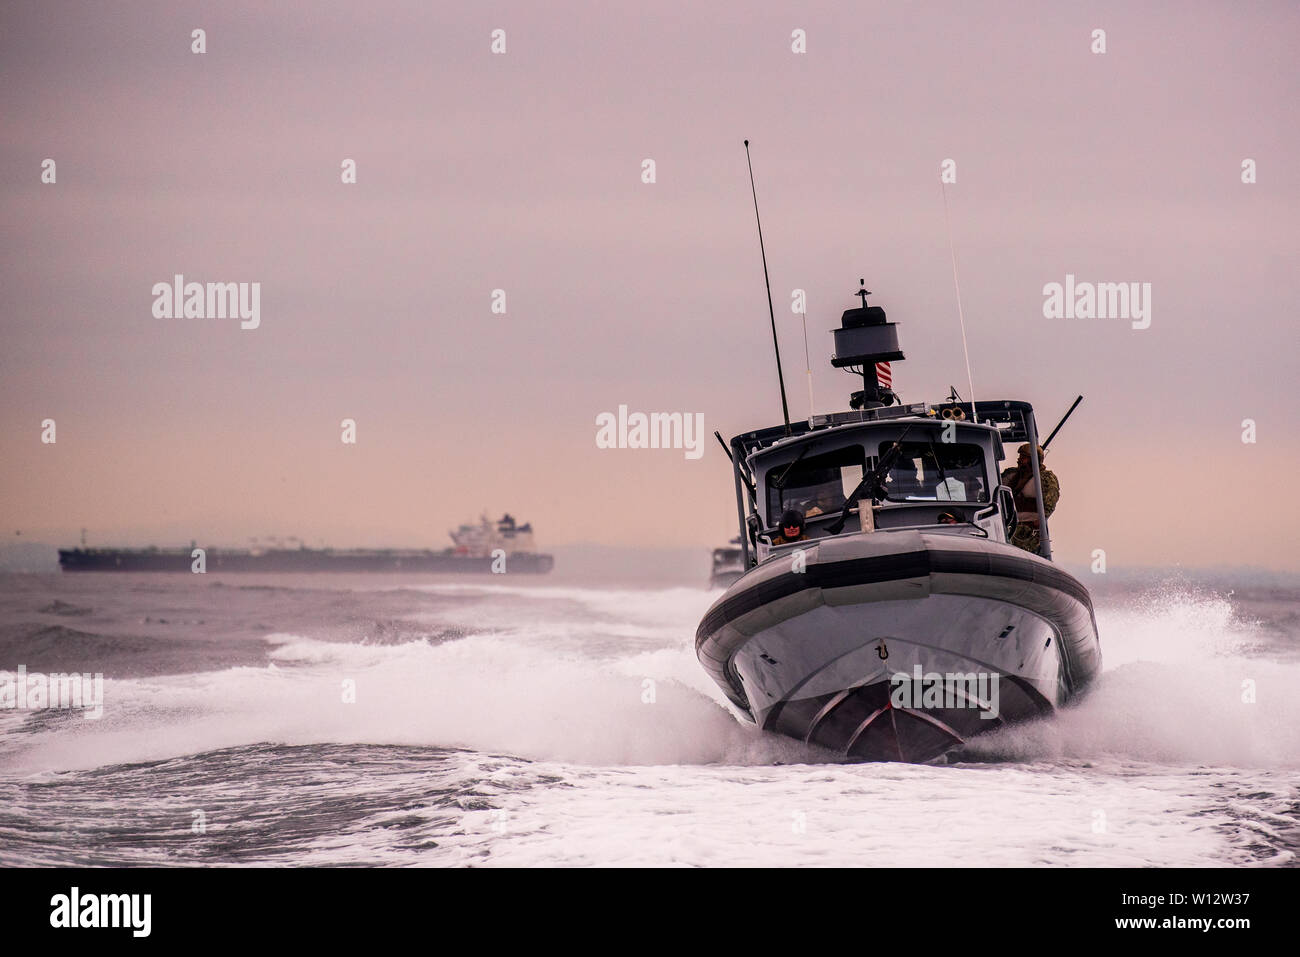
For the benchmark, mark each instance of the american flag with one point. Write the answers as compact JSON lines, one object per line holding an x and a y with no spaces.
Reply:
{"x":885,"y":377}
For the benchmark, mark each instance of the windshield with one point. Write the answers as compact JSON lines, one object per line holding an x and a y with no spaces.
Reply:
{"x":815,"y":484}
{"x":937,"y":472}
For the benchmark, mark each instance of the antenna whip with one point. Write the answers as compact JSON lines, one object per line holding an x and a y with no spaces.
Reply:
{"x":807,"y":362}
{"x":960,"y":317}
{"x":785,"y":408}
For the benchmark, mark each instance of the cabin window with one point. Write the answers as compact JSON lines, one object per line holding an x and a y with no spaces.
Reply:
{"x":937,"y":472}
{"x":815,"y":484}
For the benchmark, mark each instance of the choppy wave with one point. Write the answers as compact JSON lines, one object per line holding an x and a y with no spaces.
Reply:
{"x":514,"y":725}
{"x":1187,"y":680}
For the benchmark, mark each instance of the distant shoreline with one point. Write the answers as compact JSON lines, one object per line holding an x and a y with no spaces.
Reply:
{"x":689,"y":566}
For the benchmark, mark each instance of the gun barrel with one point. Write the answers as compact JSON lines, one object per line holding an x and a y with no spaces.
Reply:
{"x":1062,"y":422}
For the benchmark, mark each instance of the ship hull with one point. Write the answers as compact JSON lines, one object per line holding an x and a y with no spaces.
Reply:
{"x":303,"y":560}
{"x":900,"y":646}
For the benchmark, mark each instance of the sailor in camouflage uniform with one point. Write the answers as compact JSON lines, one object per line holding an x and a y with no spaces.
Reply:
{"x":1021,"y":482}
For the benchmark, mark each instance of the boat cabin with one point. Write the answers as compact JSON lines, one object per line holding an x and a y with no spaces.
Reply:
{"x":941,"y":469}
{"x":882,"y":466}
{"x":946,"y":467}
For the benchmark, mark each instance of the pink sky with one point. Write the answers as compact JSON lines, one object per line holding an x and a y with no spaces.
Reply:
{"x":522,"y":172}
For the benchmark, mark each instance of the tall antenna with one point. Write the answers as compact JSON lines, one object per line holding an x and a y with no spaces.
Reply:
{"x":807,"y":362}
{"x":785,"y":407}
{"x":974,"y":416}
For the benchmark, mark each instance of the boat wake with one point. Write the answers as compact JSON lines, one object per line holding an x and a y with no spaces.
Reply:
{"x":1186,"y":681}
{"x":605,"y":678}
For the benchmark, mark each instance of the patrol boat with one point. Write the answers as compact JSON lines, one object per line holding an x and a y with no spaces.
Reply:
{"x":894,"y":632}
{"x":727,"y":565}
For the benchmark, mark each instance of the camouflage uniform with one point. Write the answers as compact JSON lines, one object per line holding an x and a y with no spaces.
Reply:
{"x":1026,"y":536}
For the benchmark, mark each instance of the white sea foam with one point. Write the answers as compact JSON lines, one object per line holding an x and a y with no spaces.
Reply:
{"x":1171,"y":692}
{"x":1176,"y":689}
{"x":847,"y":815}
{"x":601,"y":690}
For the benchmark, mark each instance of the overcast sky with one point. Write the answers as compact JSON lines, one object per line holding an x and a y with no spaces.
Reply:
{"x":522,"y":172}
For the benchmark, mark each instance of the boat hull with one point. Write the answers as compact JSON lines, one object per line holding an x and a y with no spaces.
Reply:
{"x":900,"y":646}
{"x":297,"y":560}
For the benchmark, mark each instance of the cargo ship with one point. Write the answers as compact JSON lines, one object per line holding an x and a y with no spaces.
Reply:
{"x":502,"y":547}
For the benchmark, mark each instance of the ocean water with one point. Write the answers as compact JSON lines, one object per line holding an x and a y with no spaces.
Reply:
{"x":555,"y":722}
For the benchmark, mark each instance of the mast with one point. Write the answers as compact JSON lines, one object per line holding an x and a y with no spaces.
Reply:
{"x":780,"y":376}
{"x":863,"y":339}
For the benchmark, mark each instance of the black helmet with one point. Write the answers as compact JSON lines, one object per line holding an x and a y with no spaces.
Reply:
{"x":792,"y":518}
